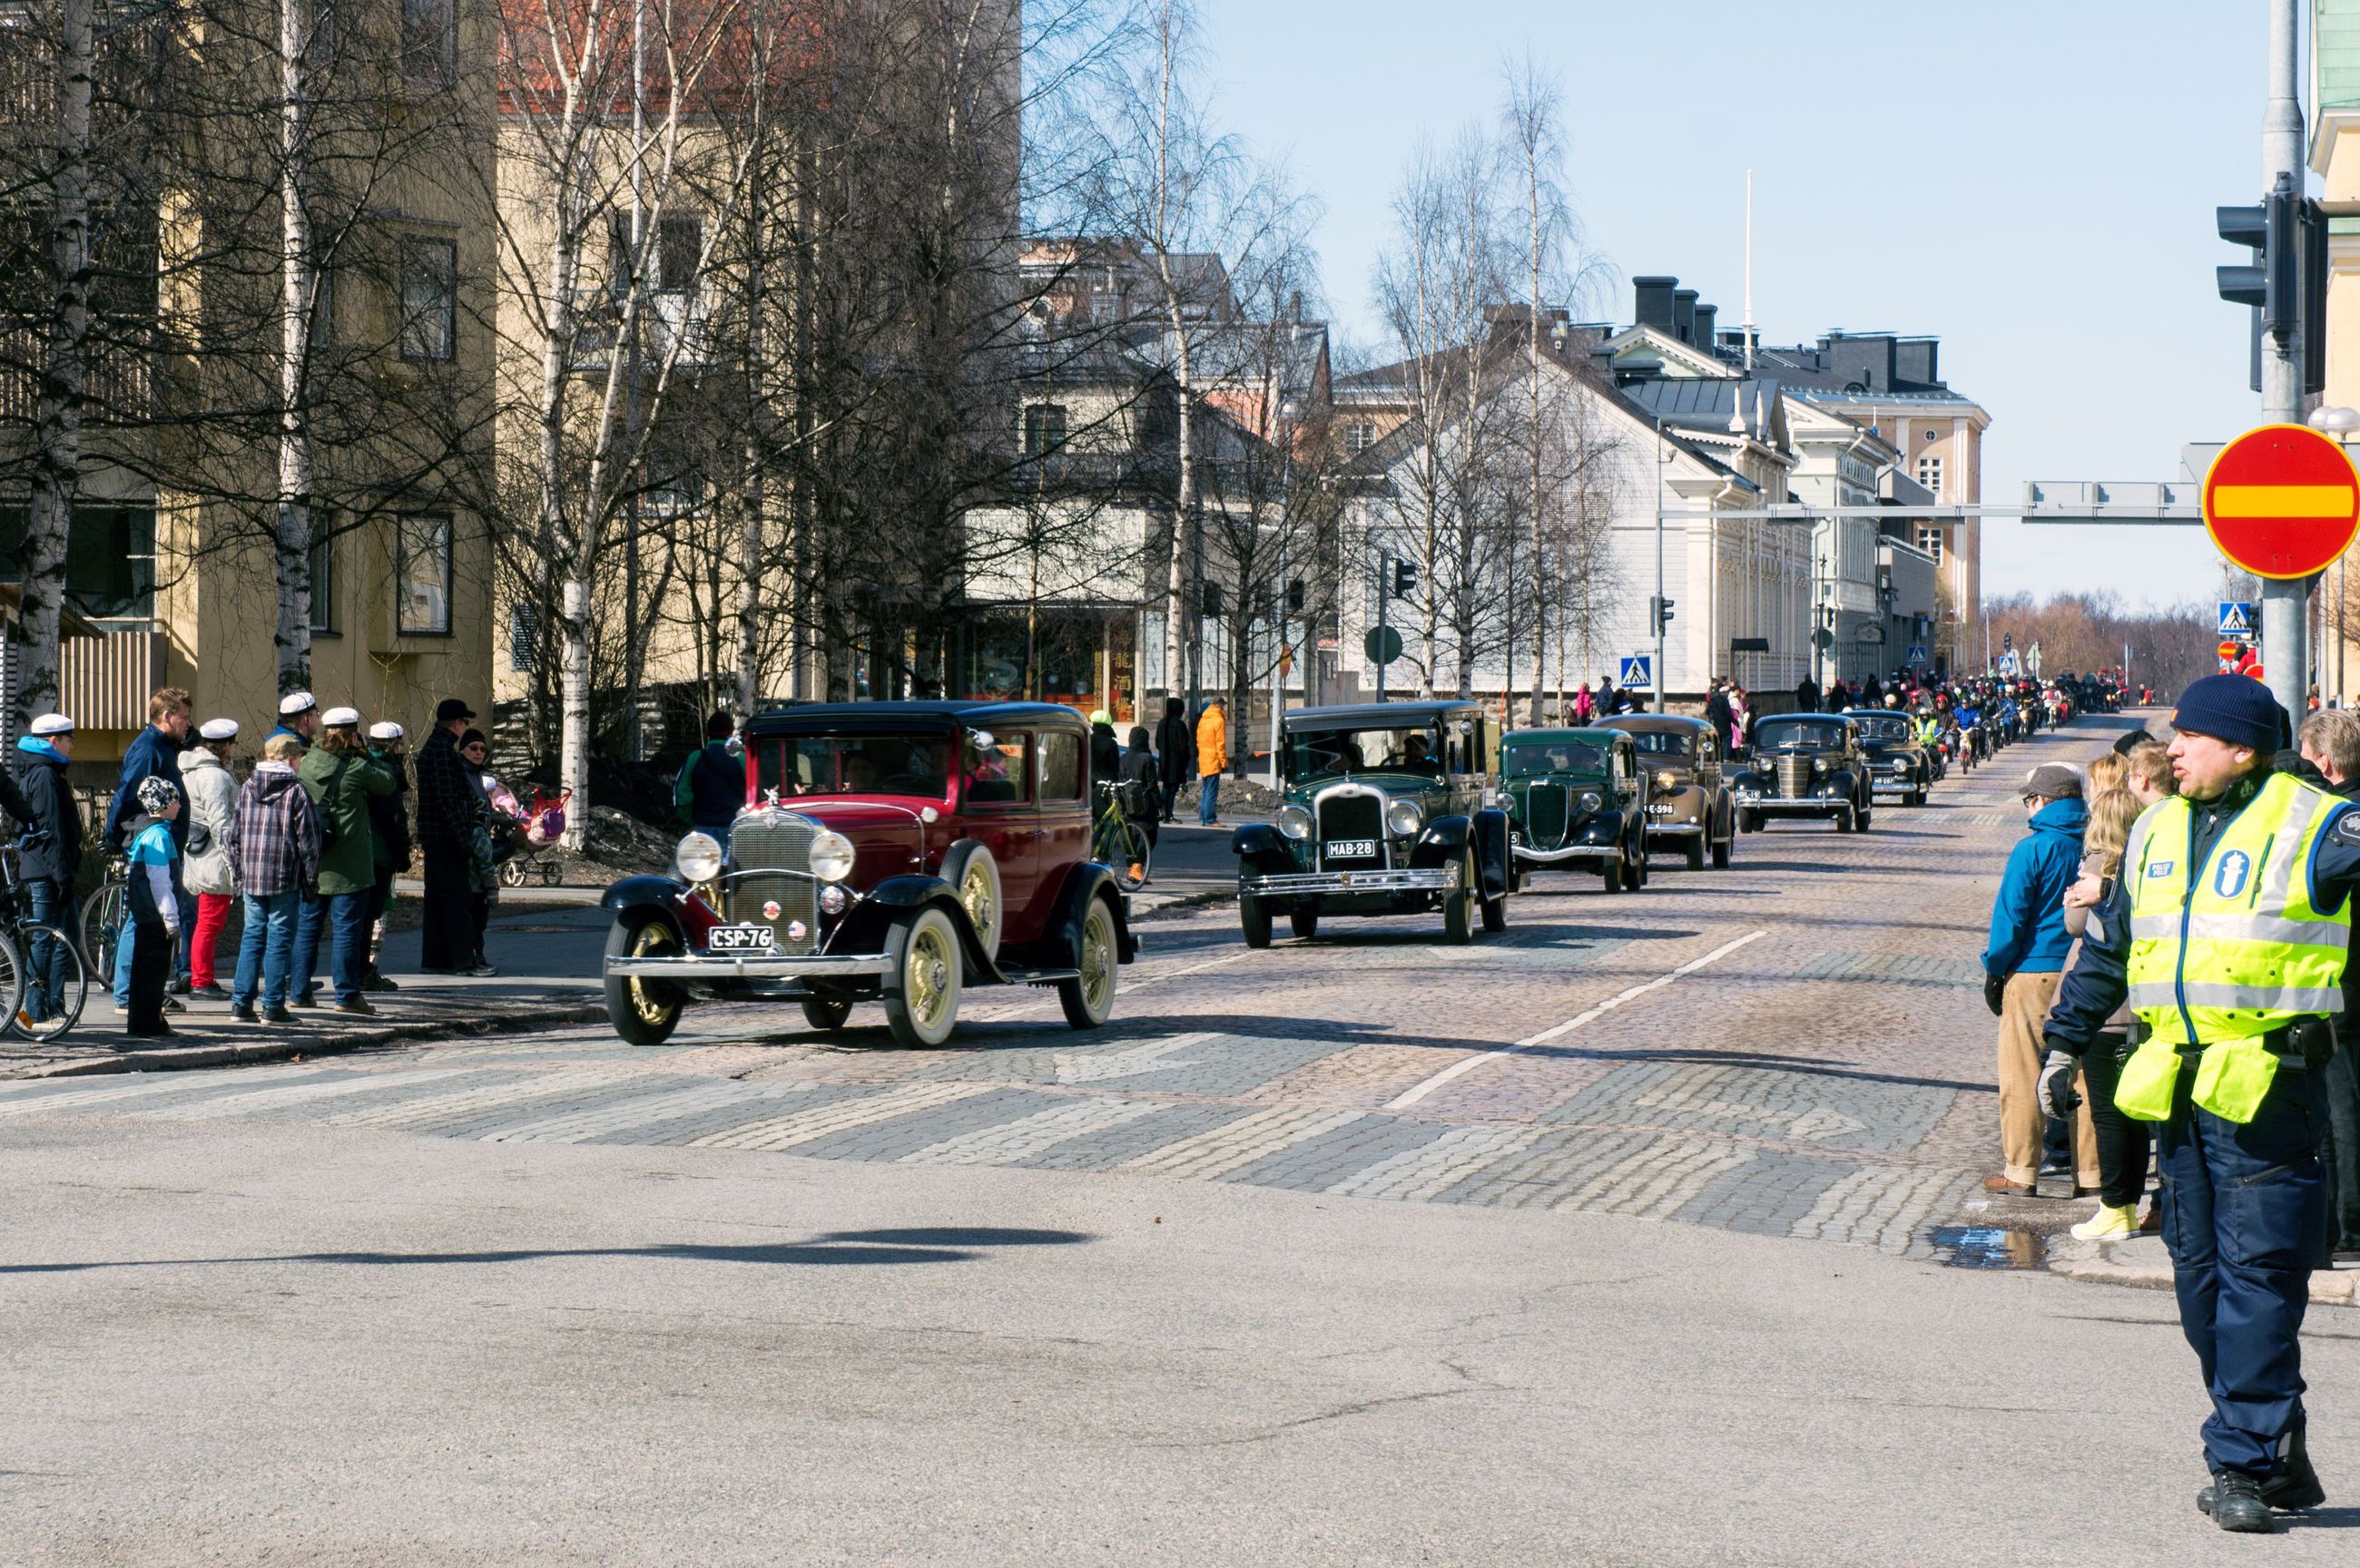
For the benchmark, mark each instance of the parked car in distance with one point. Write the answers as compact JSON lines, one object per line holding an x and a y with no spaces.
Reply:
{"x":1688,"y":805}
{"x":1898,"y":763}
{"x":1578,"y":800}
{"x":888,"y":851}
{"x":1389,"y":809}
{"x":1804,"y":764}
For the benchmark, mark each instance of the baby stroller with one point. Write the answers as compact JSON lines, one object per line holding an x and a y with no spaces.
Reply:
{"x":521,"y":830}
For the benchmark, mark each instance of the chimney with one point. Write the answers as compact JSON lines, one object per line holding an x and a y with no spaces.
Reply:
{"x":1704,"y":320}
{"x":1294,"y":304}
{"x":1651,"y":301}
{"x":1684,"y":314}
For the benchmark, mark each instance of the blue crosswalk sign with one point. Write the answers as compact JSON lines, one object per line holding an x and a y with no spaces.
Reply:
{"x":2236,"y":618}
{"x":1637,"y":675}
{"x":1917,"y":654}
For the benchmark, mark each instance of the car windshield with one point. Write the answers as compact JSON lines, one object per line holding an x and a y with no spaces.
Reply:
{"x":1798,"y":732}
{"x":1661,"y":742}
{"x":1315,"y":754}
{"x":1888,"y":726}
{"x":807,"y":765}
{"x":1564,"y":754}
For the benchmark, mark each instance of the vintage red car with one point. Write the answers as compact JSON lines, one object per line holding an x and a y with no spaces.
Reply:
{"x":889,"y":851}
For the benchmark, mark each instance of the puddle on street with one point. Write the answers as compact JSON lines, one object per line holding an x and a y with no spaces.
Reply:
{"x":1987,"y":1246}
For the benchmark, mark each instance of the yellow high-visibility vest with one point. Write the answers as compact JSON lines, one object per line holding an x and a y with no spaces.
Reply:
{"x":2220,"y":960}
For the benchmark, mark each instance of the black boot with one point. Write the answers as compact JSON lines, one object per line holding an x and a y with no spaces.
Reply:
{"x":2296,"y":1486}
{"x":2235,"y":1501}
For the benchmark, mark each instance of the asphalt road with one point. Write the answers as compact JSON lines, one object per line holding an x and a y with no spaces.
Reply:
{"x":1625,"y":1238}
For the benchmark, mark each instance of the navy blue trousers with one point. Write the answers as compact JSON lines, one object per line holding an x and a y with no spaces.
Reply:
{"x":2244,"y":1216}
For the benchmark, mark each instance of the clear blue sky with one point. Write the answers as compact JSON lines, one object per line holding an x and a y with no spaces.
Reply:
{"x":2032,"y":181}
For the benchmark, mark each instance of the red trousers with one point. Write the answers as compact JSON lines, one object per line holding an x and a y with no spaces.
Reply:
{"x":212,"y":914}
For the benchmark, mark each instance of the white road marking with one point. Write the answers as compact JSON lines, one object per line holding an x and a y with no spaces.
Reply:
{"x":1411,"y":1097}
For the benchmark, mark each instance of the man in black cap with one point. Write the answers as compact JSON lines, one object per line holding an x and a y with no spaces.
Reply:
{"x":2227,"y":933}
{"x":447,"y":810}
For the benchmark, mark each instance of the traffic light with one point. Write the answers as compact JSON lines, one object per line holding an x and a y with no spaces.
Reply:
{"x":1298,"y":595}
{"x":1404,"y":578}
{"x":1659,"y":614}
{"x":1212,"y":599}
{"x":2285,"y":284}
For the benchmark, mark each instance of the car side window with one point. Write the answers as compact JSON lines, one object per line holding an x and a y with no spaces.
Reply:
{"x":1061,"y":767}
{"x":999,"y":769}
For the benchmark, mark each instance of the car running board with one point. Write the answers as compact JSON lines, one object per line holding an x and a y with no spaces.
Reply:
{"x":1039,"y":976}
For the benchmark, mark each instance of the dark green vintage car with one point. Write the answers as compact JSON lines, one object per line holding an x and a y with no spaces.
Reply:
{"x":1578,"y":800}
{"x":1898,"y":763}
{"x":1388,"y":811}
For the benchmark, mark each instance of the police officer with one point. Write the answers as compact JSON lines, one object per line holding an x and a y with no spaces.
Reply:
{"x":2227,"y":934}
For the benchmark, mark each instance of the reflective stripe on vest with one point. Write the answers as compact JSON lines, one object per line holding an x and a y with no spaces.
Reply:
{"x":2230,"y":950}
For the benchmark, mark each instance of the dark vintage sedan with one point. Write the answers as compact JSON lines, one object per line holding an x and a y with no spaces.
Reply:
{"x":1805,"y":764}
{"x":1898,"y":763}
{"x":1578,"y":800}
{"x":1690,"y":809}
{"x":1388,"y":811}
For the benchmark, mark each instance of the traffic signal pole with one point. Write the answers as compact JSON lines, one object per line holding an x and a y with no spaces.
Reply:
{"x":2286,"y":658}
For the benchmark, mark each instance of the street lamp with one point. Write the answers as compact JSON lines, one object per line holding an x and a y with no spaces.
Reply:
{"x":1289,"y":411}
{"x":2336,"y":421}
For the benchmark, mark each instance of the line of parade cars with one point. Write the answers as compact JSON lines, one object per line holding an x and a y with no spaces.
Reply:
{"x":1416,"y":807}
{"x":899,"y":854}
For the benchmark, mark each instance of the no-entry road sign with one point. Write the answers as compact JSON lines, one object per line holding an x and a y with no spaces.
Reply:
{"x":2282,"y":501}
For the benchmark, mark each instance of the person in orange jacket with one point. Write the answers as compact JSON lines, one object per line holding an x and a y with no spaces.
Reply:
{"x":1212,"y":757}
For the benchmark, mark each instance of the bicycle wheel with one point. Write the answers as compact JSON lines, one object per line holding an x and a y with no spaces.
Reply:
{"x":12,"y":977}
{"x":1129,"y":863}
{"x":58,"y":994}
{"x":101,"y":926}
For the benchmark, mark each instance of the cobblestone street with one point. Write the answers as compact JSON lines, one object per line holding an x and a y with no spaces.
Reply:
{"x":1795,"y":1046}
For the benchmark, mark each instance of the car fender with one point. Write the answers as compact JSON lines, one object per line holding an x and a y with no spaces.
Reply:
{"x":1494,"y":862}
{"x":862,"y":930}
{"x":1439,"y":840}
{"x":1262,"y":850}
{"x":1060,"y":946}
{"x":666,"y":899}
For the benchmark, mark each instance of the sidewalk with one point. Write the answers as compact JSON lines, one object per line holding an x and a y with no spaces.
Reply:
{"x":2141,"y":1261}
{"x":550,"y":960}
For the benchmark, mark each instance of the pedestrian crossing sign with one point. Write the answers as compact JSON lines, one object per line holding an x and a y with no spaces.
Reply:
{"x":1637,"y":675}
{"x":1917,"y":655}
{"x":2236,"y":618}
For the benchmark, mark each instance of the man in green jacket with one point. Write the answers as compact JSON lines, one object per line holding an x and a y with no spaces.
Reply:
{"x":340,"y":777}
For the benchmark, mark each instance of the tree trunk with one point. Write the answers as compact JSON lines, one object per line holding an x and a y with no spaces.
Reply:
{"x":292,"y":533}
{"x":65,"y":371}
{"x":574,"y":764}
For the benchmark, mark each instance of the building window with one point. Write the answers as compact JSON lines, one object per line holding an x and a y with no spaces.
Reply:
{"x":430,"y":298}
{"x":524,"y":638}
{"x":1930,"y":541}
{"x":323,"y":577}
{"x":680,"y":248}
{"x":1044,"y":428}
{"x":430,"y":42}
{"x":1930,"y":473}
{"x":422,"y":577}
{"x":110,"y":559}
{"x":1359,"y":435}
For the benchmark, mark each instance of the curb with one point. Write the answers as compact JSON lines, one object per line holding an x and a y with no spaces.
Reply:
{"x":181,"y":1059}
{"x":2137,"y":1263}
{"x":1182,"y":903}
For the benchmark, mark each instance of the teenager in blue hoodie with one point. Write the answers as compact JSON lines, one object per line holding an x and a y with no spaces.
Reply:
{"x":2026,"y":953}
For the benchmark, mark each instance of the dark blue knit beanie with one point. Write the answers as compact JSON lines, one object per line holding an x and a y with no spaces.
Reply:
{"x":2234,"y":708}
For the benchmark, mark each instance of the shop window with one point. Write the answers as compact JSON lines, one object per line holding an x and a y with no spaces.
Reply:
{"x":422,"y":577}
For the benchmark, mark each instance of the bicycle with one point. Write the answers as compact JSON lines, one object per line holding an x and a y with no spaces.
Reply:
{"x":1118,"y":843}
{"x":29,"y":950}
{"x":103,"y":914}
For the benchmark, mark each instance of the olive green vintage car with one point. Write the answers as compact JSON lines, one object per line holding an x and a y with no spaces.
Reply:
{"x":1578,"y":800}
{"x":1388,"y":811}
{"x":1689,"y":809}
